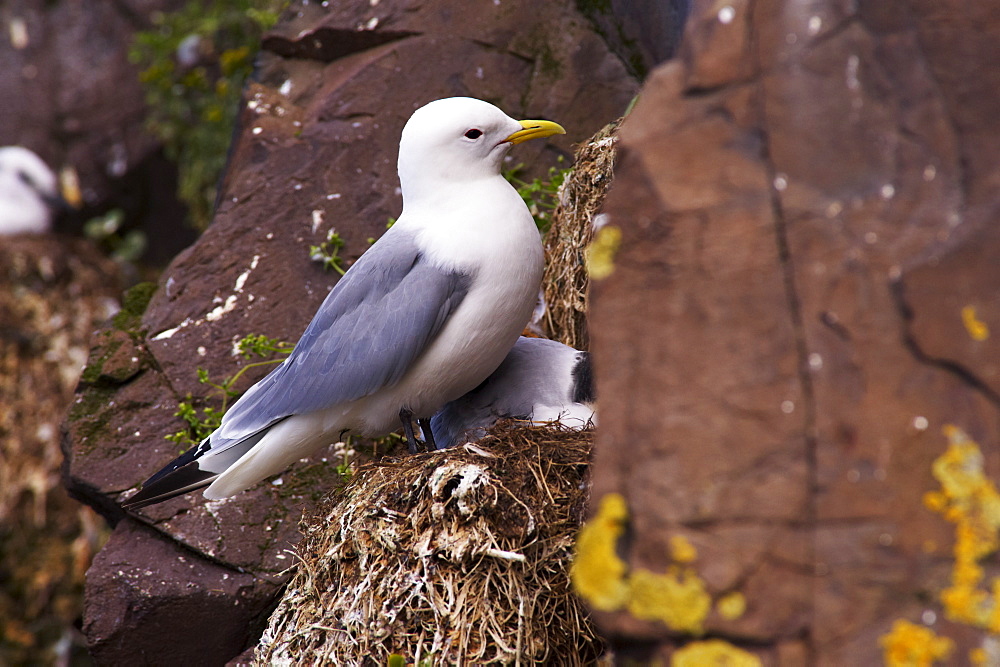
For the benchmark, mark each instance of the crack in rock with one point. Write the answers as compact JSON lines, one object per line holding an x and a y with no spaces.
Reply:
{"x":327,"y":44}
{"x":964,"y":374}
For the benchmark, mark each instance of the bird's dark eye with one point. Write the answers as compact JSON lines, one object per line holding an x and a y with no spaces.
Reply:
{"x":474,"y":134}
{"x":27,"y":180}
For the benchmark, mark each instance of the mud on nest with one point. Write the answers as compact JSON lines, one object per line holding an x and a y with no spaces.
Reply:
{"x":454,"y":557}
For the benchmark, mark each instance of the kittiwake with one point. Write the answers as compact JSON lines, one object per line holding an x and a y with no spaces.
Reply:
{"x":29,"y":192}
{"x":540,"y":380}
{"x":423,"y":317}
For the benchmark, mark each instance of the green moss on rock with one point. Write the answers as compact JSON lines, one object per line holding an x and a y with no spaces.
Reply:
{"x":134,"y":304}
{"x":106,"y":343}
{"x":88,"y":416}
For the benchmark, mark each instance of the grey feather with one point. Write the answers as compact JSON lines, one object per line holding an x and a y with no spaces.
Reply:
{"x":536,"y":373}
{"x":375,"y":322}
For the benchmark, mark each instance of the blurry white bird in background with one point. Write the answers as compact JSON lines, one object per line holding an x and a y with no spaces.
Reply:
{"x":540,"y":380}
{"x":423,"y":317}
{"x":29,"y":193}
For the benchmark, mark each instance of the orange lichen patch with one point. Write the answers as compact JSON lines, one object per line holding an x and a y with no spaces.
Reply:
{"x":969,"y":500}
{"x":977,"y":328}
{"x":913,"y":645}
{"x":713,"y":653}
{"x":598,"y":574}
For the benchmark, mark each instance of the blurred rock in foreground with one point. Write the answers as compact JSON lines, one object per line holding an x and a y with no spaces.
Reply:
{"x":802,"y":297}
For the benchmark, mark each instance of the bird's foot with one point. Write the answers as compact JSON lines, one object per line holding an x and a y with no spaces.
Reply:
{"x":406,"y":417}
{"x":425,"y":429}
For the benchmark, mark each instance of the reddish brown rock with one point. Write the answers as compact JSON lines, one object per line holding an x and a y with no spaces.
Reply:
{"x":805,"y":198}
{"x":152,"y":602}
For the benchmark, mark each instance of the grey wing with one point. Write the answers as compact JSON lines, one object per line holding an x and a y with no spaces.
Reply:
{"x":508,"y":392}
{"x":376,"y":321}
{"x":536,"y":372}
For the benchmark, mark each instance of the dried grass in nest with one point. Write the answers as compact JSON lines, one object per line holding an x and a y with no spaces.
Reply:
{"x":453,"y":557}
{"x":53,"y":293}
{"x":580,"y":198}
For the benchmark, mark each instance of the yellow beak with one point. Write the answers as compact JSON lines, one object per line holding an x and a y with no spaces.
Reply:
{"x":69,"y":186}
{"x":535,"y":129}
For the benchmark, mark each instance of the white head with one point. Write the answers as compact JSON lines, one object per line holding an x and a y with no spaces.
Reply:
{"x":28,"y":192}
{"x":460,"y":139}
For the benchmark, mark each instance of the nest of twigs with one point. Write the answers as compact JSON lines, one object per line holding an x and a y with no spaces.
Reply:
{"x":454,"y":557}
{"x":565,"y":280}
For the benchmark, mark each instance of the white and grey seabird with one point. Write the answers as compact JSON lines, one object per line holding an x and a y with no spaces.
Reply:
{"x":540,"y":380}
{"x":29,"y":192}
{"x":423,"y":317}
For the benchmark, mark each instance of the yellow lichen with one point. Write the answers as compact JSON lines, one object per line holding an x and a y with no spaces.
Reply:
{"x":713,"y":653}
{"x":731,"y":606}
{"x":935,"y":501}
{"x":597,"y":573}
{"x":681,"y":550}
{"x":910,"y":645}
{"x":602,"y":250}
{"x":977,"y":328}
{"x":677,"y":599}
{"x":969,"y":500}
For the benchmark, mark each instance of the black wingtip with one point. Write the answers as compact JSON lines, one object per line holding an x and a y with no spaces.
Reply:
{"x":186,"y":472}
{"x":180,"y":481}
{"x":583,"y":379}
{"x":184,"y":459}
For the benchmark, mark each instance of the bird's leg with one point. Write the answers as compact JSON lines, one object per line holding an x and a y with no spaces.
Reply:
{"x":405,"y":416}
{"x":425,"y":428}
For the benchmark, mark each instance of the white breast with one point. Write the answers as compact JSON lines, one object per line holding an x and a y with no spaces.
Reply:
{"x":499,"y":247}
{"x":22,"y":211}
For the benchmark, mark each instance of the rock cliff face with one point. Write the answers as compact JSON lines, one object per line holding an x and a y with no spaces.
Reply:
{"x":316,"y":152}
{"x":802,"y":298}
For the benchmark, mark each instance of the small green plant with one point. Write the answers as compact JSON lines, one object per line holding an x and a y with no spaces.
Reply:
{"x":345,"y":451}
{"x":388,"y":225}
{"x":105,"y":231}
{"x":344,"y":470}
{"x":194,"y":62}
{"x":201,"y":422}
{"x":540,"y":196}
{"x":261,"y":346}
{"x":328,"y":251}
